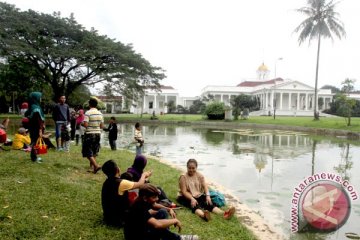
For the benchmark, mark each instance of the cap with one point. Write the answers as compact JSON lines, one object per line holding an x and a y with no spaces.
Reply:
{"x":22,"y":130}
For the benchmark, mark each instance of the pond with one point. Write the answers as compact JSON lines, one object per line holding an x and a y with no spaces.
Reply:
{"x":260,"y":167}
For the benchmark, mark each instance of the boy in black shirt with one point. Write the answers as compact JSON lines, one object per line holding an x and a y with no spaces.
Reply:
{"x":147,"y":220}
{"x":113,"y":131}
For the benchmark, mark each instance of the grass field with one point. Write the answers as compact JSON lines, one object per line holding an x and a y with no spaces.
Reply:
{"x":59,"y":199}
{"x":324,"y":122}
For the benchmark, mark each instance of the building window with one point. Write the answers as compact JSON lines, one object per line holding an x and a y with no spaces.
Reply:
{"x":151,"y":105}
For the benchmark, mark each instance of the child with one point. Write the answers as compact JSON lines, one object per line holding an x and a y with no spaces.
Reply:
{"x":138,"y":138}
{"x":22,"y":140}
{"x":65,"y":137}
{"x":149,"y":220}
{"x":113,"y":132}
{"x":79,"y":128}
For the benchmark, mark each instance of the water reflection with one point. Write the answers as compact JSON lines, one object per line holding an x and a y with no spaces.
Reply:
{"x":261,"y":167}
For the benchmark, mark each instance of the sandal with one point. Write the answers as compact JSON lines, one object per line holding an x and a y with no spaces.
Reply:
{"x":96,"y":170}
{"x":229,"y":213}
{"x":207,"y":216}
{"x":189,"y":237}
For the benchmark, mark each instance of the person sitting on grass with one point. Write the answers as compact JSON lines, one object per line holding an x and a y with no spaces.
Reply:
{"x":22,"y":140}
{"x":148,"y":220}
{"x":114,"y":197}
{"x":137,"y":169}
{"x":194,"y":193}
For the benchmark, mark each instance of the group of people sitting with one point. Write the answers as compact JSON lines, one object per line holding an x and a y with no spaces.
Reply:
{"x":150,"y":214}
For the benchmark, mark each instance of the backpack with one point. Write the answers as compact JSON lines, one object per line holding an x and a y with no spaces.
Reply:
{"x":217,"y":198}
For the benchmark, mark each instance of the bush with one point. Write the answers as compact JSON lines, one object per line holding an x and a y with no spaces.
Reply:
{"x":215,"y":111}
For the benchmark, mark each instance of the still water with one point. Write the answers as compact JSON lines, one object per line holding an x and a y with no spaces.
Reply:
{"x":260,"y":167}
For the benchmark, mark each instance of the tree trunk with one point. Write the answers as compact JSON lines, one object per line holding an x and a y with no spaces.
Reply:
{"x":316,"y":115}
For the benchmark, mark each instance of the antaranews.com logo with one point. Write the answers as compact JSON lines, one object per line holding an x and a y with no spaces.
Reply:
{"x":321,"y":202}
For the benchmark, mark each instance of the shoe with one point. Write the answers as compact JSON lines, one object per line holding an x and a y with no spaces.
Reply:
{"x":59,"y":149}
{"x":96,"y":170}
{"x":39,"y":160}
{"x":229,"y":213}
{"x":189,"y":237}
{"x":207,"y":216}
{"x":28,"y":149}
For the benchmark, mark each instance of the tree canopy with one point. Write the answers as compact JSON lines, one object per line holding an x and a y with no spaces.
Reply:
{"x":321,"y":22}
{"x":59,"y":52}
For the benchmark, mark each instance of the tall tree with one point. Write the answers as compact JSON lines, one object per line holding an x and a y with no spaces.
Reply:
{"x":348,"y":85}
{"x":64,"y":55}
{"x":321,"y":22}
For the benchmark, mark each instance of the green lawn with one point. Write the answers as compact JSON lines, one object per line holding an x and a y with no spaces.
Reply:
{"x":59,"y":199}
{"x":324,"y":122}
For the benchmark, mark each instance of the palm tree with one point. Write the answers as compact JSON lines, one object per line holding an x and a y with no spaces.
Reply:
{"x":321,"y":21}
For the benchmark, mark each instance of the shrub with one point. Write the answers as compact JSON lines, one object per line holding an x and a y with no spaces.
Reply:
{"x":215,"y":111}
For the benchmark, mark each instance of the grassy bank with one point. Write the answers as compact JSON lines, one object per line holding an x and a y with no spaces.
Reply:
{"x":324,"y":122}
{"x":58,"y":199}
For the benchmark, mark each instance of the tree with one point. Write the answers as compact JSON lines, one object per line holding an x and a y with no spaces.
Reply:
{"x":215,"y":110}
{"x":345,"y":107}
{"x":241,"y":102}
{"x":80,"y":95}
{"x":332,"y":88}
{"x":171,"y":106}
{"x":321,"y":22}
{"x":198,"y":106}
{"x":348,"y":85}
{"x":63,"y":54}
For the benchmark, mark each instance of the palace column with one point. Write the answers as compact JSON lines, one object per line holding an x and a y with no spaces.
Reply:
{"x":281,"y":99}
{"x":289,"y":101}
{"x":298,"y":101}
{"x":306,"y":101}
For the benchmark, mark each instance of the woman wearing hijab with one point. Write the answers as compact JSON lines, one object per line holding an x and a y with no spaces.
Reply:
{"x":134,"y":174}
{"x":36,"y":122}
{"x":137,"y":168}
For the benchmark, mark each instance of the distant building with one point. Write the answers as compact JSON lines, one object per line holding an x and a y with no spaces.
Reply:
{"x":287,"y":97}
{"x":156,"y":101}
{"x":113,"y":104}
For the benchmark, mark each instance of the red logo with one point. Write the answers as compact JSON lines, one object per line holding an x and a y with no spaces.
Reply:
{"x":325,"y":206}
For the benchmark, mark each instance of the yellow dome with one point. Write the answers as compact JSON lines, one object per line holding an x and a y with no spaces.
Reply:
{"x":263,"y":68}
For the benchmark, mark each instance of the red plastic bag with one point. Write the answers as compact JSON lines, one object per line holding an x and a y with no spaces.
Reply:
{"x":40,"y":146}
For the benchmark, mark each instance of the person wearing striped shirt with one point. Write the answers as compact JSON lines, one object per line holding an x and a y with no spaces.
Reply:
{"x":93,"y":123}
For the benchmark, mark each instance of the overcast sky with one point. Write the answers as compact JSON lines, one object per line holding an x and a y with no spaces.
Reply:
{"x":213,"y":42}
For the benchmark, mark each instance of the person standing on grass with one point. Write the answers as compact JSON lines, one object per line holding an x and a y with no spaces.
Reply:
{"x":194,"y":193}
{"x":36,"y":122}
{"x":139,"y":140}
{"x":148,"y":220}
{"x":61,"y":117}
{"x":72,"y":125}
{"x":114,"y":197}
{"x":79,"y":133}
{"x":93,"y":123}
{"x":113,"y":132}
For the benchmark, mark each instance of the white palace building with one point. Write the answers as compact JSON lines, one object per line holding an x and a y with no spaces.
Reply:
{"x":288,"y":97}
